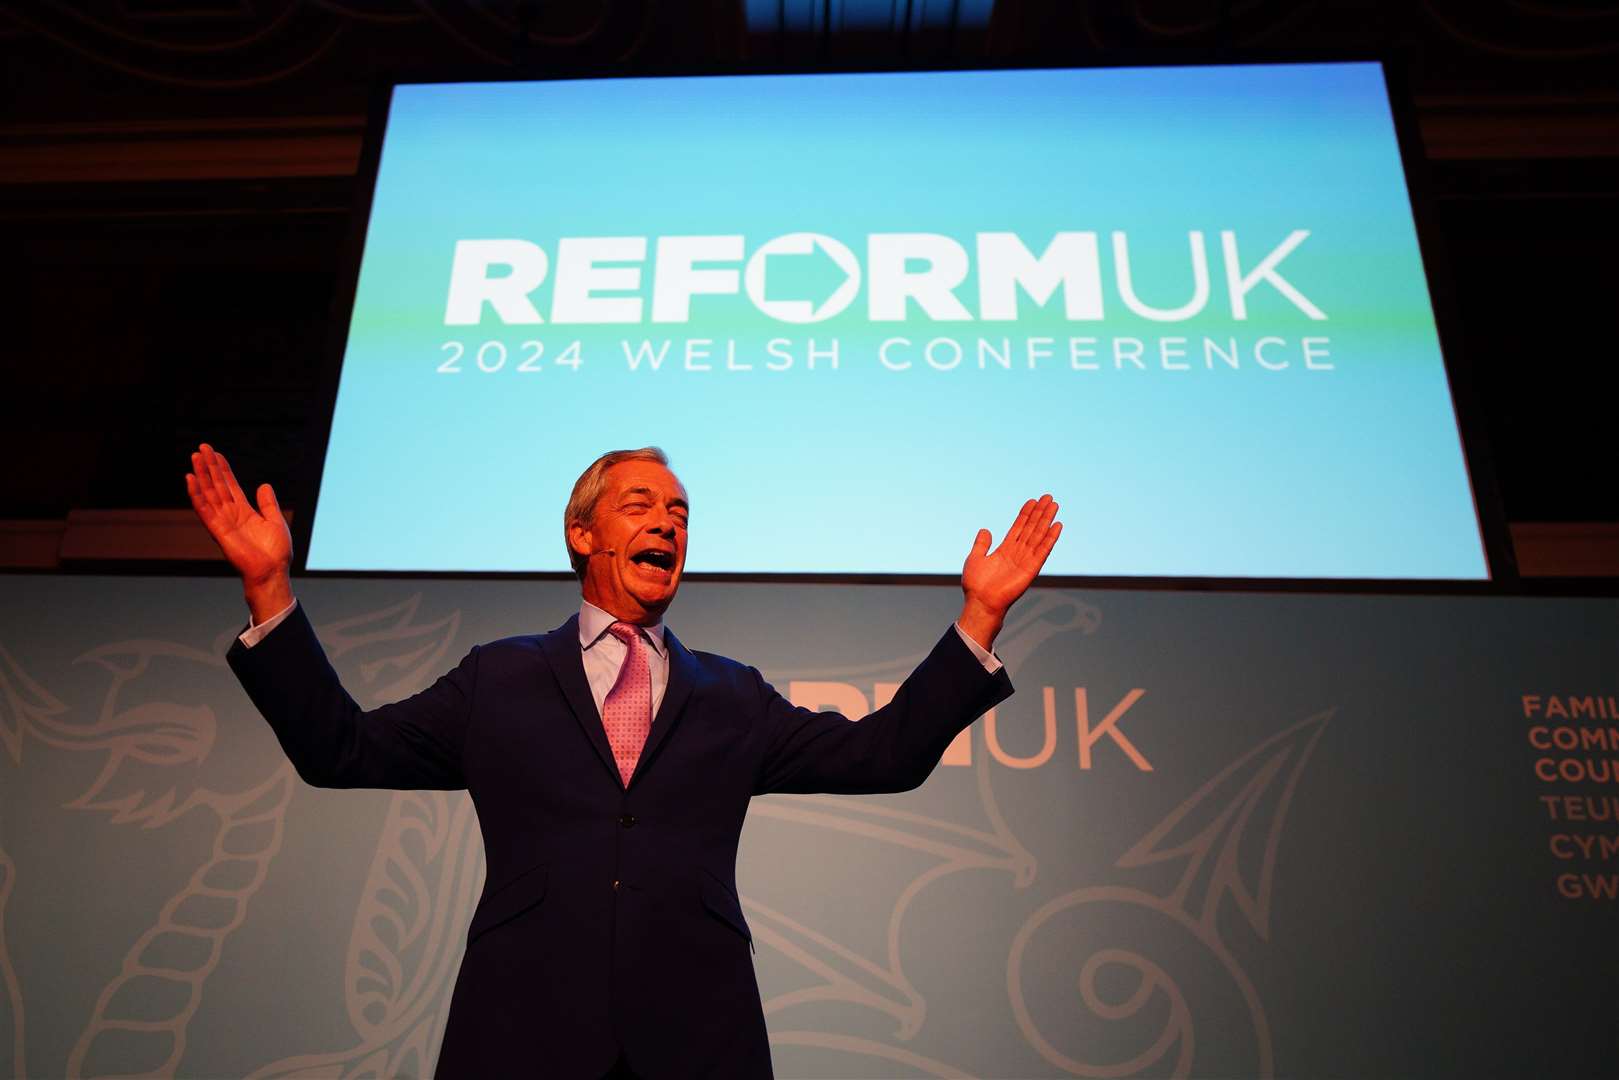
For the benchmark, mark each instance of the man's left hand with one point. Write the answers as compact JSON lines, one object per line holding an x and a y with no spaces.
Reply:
{"x":993,"y":580}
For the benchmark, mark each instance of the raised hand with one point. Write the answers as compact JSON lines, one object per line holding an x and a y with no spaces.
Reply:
{"x":256,"y":542}
{"x":993,"y":580}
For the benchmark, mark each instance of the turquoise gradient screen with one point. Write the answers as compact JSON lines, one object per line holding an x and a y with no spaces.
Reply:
{"x":868,"y":314}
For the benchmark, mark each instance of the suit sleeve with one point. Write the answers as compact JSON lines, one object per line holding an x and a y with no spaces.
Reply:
{"x":330,"y":740}
{"x":894,"y":748}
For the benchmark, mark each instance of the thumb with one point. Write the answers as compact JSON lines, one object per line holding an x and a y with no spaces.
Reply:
{"x":268,"y":506}
{"x":980,"y":545}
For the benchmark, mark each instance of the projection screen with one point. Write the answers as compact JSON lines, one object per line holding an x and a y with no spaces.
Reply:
{"x":867,"y":314}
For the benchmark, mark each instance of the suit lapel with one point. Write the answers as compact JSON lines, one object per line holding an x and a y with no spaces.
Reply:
{"x":562,"y":652}
{"x":682,"y":677}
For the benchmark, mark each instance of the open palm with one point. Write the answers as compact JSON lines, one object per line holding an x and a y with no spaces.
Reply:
{"x":995,"y":579}
{"x":257,"y":542}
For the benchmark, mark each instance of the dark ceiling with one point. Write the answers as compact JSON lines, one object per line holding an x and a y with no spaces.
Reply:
{"x":177,"y":176}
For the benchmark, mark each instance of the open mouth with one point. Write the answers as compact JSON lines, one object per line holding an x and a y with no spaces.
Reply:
{"x":653,"y":557}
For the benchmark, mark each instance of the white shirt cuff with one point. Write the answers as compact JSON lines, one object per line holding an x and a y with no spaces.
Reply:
{"x":255,"y":633}
{"x":991,"y":662}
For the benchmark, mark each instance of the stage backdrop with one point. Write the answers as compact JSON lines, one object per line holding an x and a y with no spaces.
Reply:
{"x":1211,"y":835}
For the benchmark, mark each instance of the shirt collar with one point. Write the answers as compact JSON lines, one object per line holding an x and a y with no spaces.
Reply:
{"x":593,"y":623}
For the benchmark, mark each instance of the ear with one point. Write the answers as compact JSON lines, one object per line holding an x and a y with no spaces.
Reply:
{"x":580,"y":541}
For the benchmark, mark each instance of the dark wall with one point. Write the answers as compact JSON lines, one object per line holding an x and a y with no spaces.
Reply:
{"x":156,"y":302}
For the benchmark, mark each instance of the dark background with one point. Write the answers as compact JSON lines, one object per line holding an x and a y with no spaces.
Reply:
{"x":177,"y":177}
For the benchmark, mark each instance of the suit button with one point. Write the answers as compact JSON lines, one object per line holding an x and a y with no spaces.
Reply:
{"x":628,"y":821}
{"x":615,"y":884}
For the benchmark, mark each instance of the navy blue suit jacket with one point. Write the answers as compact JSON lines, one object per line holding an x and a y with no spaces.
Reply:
{"x":609,"y":920}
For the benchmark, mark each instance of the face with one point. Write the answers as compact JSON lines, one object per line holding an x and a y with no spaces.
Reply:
{"x":635,"y":542}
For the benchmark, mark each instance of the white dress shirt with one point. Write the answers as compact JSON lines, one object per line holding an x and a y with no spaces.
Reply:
{"x":604,"y":654}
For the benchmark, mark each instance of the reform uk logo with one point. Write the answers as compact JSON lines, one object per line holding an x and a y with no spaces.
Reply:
{"x":1199,"y":309}
{"x":902,"y":272}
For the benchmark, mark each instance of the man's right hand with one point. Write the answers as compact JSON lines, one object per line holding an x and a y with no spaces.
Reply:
{"x":256,"y":542}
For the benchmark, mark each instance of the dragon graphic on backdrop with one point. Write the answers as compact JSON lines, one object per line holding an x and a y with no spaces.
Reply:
{"x":1150,"y":941}
{"x":153,"y":719}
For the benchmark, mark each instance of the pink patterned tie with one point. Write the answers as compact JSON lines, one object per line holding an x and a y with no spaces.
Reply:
{"x":627,"y":712}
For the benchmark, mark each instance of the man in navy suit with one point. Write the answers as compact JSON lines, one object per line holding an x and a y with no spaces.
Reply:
{"x":611,"y":768}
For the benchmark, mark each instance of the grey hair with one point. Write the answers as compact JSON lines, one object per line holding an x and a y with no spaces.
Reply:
{"x":587,"y":492}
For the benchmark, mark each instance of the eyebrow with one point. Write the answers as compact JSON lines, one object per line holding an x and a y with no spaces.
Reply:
{"x":649,"y":493}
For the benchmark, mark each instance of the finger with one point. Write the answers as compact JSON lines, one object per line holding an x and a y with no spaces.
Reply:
{"x":1031,"y":520}
{"x":1050,"y":541}
{"x":1018,"y":523}
{"x":980,"y":545}
{"x":1037,"y":534}
{"x":204,"y":479}
{"x":268,"y":505}
{"x":198,"y":502}
{"x":232,"y":487}
{"x":216,"y":475}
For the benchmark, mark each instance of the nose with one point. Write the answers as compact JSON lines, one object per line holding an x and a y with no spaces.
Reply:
{"x":663,"y":525}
